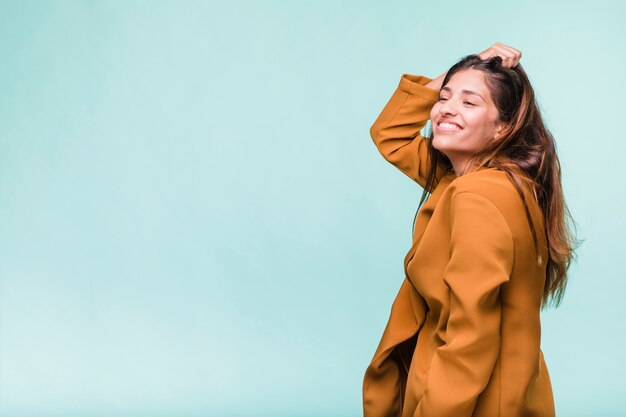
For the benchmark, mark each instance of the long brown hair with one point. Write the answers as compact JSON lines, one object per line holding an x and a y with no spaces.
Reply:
{"x":526,"y":152}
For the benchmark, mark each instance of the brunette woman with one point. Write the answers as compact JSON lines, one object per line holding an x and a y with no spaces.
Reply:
{"x":491,"y":246}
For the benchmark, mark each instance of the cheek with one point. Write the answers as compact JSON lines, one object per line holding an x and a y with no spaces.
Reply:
{"x":433,"y":111}
{"x":479,"y":122}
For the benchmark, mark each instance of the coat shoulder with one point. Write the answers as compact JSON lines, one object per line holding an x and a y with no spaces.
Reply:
{"x":494,"y":185}
{"x":490,"y":183}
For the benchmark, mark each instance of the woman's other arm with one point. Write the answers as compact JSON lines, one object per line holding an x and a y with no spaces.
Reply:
{"x":481,"y":260}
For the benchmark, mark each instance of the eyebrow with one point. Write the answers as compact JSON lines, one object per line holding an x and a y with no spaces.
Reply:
{"x":465,"y":92}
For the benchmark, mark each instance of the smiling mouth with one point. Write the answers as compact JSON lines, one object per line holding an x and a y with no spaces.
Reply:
{"x":447,"y":126}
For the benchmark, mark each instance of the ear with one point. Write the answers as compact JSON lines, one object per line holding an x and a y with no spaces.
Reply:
{"x":500,"y":128}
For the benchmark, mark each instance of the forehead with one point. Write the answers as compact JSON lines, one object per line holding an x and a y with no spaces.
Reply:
{"x":468,"y":79}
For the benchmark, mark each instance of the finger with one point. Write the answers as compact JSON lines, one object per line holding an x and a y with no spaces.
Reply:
{"x":515,"y":53}
{"x":488,"y":53}
{"x":516,"y":56}
{"x":507,"y":56}
{"x":484,"y":54}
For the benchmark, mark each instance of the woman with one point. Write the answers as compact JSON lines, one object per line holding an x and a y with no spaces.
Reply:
{"x":491,"y":246}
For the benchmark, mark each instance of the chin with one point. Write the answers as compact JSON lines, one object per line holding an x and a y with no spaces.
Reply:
{"x":436,"y":142}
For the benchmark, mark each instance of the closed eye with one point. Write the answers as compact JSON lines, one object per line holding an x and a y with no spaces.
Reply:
{"x":469,"y":103}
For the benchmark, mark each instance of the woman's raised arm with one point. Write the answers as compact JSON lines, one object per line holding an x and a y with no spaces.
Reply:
{"x":396,"y":131}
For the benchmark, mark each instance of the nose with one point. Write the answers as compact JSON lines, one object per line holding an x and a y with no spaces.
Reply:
{"x":447,"y":107}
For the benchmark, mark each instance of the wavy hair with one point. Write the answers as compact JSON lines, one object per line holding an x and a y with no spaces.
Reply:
{"x":526,"y":152}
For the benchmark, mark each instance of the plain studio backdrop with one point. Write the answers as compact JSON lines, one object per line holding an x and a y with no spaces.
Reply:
{"x":194,"y":220}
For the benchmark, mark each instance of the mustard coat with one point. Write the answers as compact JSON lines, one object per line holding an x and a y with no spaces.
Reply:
{"x":463,"y":336}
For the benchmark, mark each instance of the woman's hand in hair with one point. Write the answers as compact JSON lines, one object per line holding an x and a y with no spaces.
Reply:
{"x":510,"y":56}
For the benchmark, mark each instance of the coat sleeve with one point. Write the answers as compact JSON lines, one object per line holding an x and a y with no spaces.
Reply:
{"x":481,"y":260}
{"x":396,"y":131}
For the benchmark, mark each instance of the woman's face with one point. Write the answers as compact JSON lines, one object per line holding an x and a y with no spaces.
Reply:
{"x":465,"y":118}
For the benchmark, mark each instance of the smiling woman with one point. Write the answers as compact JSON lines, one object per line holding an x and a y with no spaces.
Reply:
{"x":491,"y":246}
{"x":464,"y":118}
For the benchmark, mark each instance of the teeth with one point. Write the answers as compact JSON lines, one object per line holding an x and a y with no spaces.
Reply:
{"x":449,"y":125}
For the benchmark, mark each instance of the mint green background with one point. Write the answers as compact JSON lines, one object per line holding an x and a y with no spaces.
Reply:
{"x":195,"y":222}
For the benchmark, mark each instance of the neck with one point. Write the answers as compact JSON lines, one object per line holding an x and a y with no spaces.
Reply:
{"x":459,"y":166}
